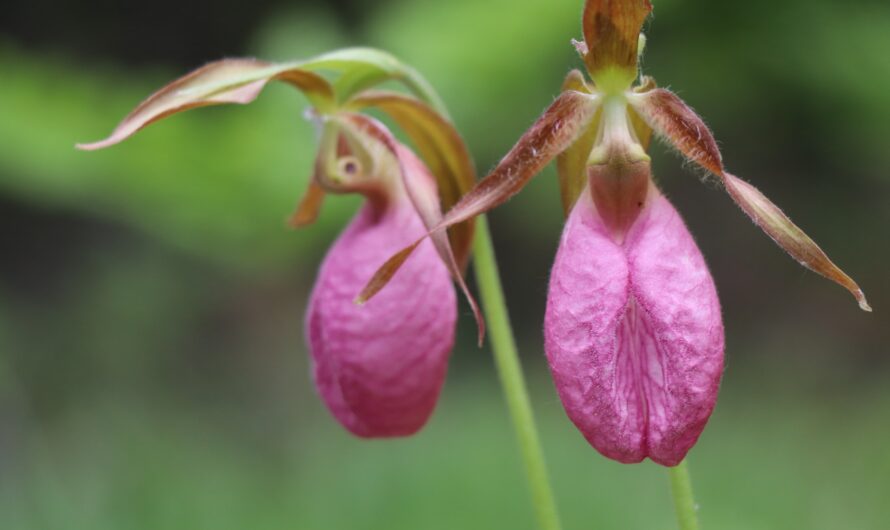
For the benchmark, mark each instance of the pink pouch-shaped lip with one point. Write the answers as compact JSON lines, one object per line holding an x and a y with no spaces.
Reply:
{"x":633,"y":333}
{"x":380,"y":366}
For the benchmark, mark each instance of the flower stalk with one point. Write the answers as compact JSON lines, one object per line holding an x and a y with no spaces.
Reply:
{"x":684,"y":501}
{"x":503,"y":345}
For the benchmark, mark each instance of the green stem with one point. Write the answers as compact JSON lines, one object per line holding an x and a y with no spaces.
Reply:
{"x":507,"y":361}
{"x":684,"y":503}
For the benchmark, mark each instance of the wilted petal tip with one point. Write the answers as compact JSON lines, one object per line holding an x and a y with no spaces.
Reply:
{"x":863,"y":303}
{"x":93,"y":146}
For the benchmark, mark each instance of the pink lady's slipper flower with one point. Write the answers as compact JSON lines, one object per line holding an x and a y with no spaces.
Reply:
{"x":633,"y":330}
{"x":378,"y":364}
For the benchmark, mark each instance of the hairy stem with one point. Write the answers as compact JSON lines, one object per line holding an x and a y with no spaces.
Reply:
{"x":684,"y":503}
{"x":515,"y":391}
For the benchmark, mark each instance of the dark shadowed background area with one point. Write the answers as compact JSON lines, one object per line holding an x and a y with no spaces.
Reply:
{"x":153,"y":372}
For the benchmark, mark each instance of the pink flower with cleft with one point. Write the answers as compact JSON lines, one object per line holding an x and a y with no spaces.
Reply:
{"x":633,"y":330}
{"x":379,"y":364}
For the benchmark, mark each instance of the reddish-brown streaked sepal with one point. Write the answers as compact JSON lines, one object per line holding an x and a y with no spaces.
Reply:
{"x":611,"y":32}
{"x":571,"y":164}
{"x":787,"y":235}
{"x":226,"y":81}
{"x":422,"y":191}
{"x":441,"y":147}
{"x":557,"y":129}
{"x":671,"y":118}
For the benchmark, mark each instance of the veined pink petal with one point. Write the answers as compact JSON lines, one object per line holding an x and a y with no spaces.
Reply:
{"x":380,"y":366}
{"x":633,"y":333}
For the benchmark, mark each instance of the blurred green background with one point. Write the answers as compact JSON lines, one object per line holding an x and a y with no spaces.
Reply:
{"x":153,"y":373}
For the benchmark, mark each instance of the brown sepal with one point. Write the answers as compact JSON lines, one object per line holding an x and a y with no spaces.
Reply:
{"x":612,"y":31}
{"x":310,"y":206}
{"x":551,"y":134}
{"x":673,"y":119}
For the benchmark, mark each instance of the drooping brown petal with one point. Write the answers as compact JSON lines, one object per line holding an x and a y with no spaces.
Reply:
{"x":386,"y":271}
{"x":553,"y":133}
{"x":426,"y":202}
{"x":787,"y":235}
{"x":571,"y":164}
{"x":672,"y":118}
{"x":611,"y":31}
{"x":226,"y":81}
{"x":441,"y":147}
{"x":310,"y":204}
{"x":309,"y":207}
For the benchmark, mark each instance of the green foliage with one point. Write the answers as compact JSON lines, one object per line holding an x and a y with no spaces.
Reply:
{"x":138,"y":466}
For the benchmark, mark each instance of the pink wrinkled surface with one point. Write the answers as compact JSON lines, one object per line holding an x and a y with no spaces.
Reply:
{"x":380,"y":366}
{"x":633,"y":333}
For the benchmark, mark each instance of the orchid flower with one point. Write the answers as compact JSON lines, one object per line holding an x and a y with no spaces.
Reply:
{"x":633,"y":329}
{"x":378,"y":364}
